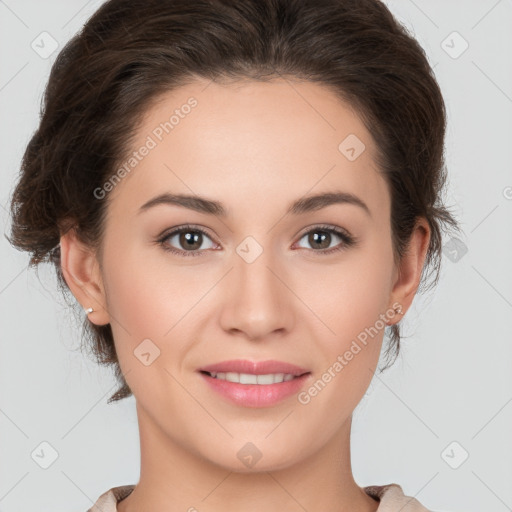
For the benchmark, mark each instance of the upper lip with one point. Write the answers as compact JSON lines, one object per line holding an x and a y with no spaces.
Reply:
{"x":254,"y":367}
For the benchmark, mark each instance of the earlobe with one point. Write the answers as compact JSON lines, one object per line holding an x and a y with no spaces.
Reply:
{"x":81,"y":271}
{"x":411,"y":266}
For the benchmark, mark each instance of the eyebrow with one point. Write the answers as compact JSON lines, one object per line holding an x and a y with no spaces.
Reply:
{"x":303,"y":205}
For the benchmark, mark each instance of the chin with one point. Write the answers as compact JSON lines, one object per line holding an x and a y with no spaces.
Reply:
{"x":248,"y":457}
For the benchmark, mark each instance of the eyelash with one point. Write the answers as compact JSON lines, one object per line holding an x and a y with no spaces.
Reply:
{"x":348,"y":240}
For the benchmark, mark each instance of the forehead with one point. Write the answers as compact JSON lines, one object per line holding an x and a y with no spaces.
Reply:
{"x":251,"y":139}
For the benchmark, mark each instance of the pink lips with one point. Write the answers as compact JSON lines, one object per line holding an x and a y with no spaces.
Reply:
{"x":255,"y":395}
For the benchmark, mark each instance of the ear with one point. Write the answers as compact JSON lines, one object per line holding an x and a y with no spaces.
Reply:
{"x":410,"y":269}
{"x":81,"y":271}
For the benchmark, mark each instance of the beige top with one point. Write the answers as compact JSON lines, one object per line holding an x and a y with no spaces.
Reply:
{"x":391,"y":497}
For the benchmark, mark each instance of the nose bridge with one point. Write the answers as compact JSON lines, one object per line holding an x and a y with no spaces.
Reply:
{"x":257,"y":297}
{"x":255,"y":281}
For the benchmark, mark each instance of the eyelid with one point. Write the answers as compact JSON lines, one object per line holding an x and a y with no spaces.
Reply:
{"x":177,"y":229}
{"x":324,"y":227}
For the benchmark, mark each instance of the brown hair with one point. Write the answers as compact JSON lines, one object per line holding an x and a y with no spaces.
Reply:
{"x":130,"y":51}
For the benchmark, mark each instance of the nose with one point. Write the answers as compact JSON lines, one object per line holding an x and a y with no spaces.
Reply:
{"x":257,"y":302}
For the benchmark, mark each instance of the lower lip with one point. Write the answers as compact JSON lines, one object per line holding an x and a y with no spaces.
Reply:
{"x":256,"y":395}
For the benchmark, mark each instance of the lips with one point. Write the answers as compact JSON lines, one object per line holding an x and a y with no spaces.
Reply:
{"x":254,"y":367}
{"x":233,"y":381}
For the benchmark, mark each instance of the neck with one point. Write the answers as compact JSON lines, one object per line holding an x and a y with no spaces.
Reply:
{"x":175,"y":479}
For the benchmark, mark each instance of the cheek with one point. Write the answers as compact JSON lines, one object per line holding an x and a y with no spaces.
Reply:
{"x":147,"y":292}
{"x":350,"y":308}
{"x":349,"y":298}
{"x":137,"y":300}
{"x":151,"y":297}
{"x":352,"y":294}
{"x":147,"y":309}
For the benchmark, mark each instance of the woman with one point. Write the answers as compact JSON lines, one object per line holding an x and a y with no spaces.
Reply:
{"x":243,"y":196}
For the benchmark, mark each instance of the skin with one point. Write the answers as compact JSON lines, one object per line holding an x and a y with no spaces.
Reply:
{"x":255,"y":147}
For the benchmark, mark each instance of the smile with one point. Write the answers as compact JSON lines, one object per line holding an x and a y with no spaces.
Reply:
{"x":249,"y":378}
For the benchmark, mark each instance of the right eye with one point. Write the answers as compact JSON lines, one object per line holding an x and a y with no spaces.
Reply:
{"x":189,"y":237}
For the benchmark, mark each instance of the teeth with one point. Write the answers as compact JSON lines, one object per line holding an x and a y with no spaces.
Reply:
{"x":248,"y":378}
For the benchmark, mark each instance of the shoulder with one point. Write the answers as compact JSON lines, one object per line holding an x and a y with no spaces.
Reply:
{"x":392,"y":498}
{"x":108,"y":501}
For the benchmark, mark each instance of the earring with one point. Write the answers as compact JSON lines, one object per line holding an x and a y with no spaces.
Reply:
{"x":88,"y":310}
{"x":398,"y":311}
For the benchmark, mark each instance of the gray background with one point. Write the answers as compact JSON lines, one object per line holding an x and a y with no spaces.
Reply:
{"x":453,"y":381}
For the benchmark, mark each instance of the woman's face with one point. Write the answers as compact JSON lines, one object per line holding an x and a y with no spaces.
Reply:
{"x":264,"y":282}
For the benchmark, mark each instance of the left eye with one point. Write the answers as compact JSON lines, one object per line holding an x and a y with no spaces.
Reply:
{"x":321,"y":236}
